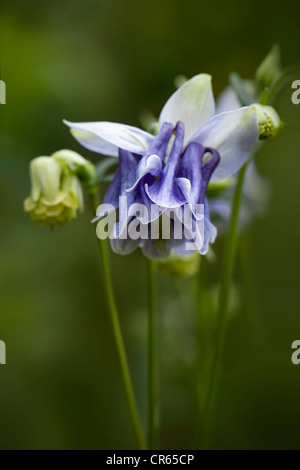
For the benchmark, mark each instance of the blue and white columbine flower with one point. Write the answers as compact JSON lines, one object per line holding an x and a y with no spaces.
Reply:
{"x":171,"y":170}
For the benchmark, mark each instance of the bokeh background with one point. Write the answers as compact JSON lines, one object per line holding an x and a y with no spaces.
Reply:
{"x":61,"y":388}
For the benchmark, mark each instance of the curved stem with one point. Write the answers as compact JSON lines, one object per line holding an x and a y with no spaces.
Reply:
{"x":108,"y":289}
{"x":153,"y":411}
{"x":226,"y":277}
{"x":227,"y":269}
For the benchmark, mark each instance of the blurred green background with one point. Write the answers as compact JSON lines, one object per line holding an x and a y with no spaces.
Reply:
{"x":61,"y":388}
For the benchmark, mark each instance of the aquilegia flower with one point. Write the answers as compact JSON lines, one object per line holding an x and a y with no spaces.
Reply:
{"x":56,"y":194}
{"x":171,"y":170}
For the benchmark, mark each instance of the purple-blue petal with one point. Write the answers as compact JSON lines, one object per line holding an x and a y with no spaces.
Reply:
{"x":165,"y":191}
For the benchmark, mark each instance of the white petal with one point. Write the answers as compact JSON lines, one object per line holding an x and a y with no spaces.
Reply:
{"x":234,"y":135}
{"x":227,"y":101}
{"x":107,"y":137}
{"x":193,"y":104}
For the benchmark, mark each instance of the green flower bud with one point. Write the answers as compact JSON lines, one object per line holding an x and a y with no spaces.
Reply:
{"x":270,"y":67}
{"x":56,"y":194}
{"x":268,"y":120}
{"x":177,"y":266}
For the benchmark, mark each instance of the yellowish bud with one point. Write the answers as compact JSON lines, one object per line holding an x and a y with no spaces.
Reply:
{"x":56,"y":194}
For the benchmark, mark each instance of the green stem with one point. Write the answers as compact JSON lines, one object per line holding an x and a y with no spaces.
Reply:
{"x":203,"y":352}
{"x":245,"y":257}
{"x":153,"y":411}
{"x":227,"y":269}
{"x":108,"y":289}
{"x":226,"y":277}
